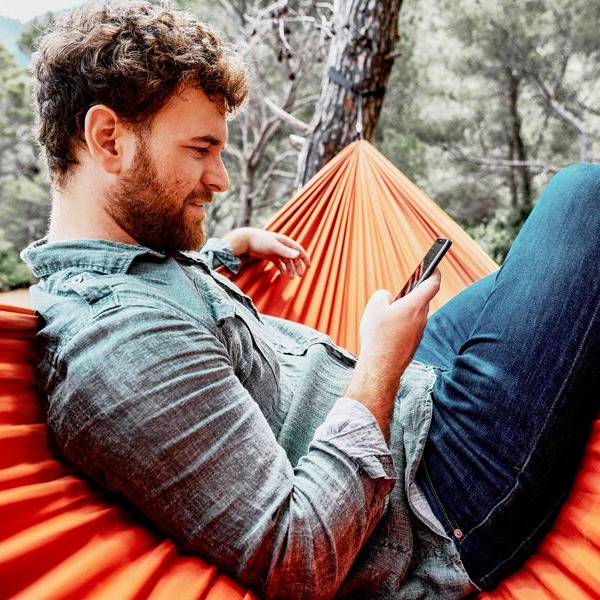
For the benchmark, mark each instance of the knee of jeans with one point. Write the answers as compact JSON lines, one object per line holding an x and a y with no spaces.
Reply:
{"x":580,"y":181}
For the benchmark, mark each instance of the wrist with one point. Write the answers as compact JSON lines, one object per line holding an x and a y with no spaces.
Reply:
{"x":369,"y":382}
{"x":238,"y":239}
{"x":375,"y":387}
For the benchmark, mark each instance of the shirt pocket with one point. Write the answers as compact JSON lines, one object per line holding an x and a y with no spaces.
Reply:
{"x":94,"y":289}
{"x":298,"y":343}
{"x":253,"y":360}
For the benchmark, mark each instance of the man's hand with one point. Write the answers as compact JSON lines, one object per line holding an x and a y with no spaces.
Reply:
{"x":389,"y":334}
{"x":286,"y":254}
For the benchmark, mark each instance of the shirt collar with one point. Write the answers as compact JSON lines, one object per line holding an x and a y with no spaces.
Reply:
{"x":104,"y":256}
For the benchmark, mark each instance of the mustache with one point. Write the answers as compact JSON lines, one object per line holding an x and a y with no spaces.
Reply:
{"x":204,"y":195}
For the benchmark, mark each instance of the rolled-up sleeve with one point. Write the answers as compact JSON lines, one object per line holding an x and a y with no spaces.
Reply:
{"x":352,"y":429}
{"x":148,"y":404}
{"x":216,"y":252}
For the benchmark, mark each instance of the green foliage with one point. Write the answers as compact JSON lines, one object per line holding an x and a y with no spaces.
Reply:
{"x":14,"y":99}
{"x":493,"y":98}
{"x":24,"y":191}
{"x":32,"y":31}
{"x":13,"y":271}
{"x":497,"y":236}
{"x":400,"y":131}
{"x":23,"y":211}
{"x":10,"y":30}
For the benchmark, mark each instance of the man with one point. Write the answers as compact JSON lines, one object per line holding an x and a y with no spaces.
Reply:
{"x":256,"y":442}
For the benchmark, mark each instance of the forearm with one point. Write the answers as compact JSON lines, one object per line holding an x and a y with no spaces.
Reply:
{"x":375,"y":387}
{"x":390,"y":332}
{"x":238,"y":239}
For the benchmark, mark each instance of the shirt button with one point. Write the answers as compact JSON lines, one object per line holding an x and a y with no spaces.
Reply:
{"x":77,"y":279}
{"x":458,"y":534}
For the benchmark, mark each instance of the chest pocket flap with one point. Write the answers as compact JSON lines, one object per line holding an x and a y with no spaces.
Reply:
{"x":99,"y":296}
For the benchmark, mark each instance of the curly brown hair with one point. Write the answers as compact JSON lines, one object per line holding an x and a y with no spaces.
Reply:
{"x":131,"y":57}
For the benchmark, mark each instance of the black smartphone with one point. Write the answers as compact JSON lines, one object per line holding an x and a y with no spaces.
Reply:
{"x":426,"y":266}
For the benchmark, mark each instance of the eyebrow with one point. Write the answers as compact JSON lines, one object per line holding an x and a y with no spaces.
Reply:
{"x":213,"y":141}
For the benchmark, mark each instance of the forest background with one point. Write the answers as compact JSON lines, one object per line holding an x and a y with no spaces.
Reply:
{"x":487,"y":99}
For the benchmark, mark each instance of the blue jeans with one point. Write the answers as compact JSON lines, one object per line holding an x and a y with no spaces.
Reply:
{"x":518,"y":360}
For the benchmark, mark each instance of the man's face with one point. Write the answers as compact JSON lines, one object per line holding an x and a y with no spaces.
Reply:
{"x":159,"y":200}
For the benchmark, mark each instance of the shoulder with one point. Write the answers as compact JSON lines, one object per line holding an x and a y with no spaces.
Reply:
{"x":90,"y":304}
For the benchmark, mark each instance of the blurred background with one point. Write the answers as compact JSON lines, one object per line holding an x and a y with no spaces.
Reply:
{"x":485,"y":100}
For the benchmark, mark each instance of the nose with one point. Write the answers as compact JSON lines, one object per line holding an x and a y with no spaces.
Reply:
{"x":215,"y":178}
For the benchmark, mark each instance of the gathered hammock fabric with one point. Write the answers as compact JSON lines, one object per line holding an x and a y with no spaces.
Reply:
{"x":62,"y":537}
{"x":365,"y":226}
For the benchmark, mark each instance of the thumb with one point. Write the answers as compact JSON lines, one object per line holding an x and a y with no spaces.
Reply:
{"x":425,"y":292}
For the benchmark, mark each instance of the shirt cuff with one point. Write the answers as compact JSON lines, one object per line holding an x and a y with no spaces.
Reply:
{"x":216,"y":252}
{"x":352,"y":429}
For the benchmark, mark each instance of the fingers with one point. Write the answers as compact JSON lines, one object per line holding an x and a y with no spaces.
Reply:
{"x":289,"y":264}
{"x":290,"y":268}
{"x":285,"y":267}
{"x":284,"y":251}
{"x":300,"y":268}
{"x":280,"y":266}
{"x":289,"y":256}
{"x":379,"y":299}
{"x":294,"y":246}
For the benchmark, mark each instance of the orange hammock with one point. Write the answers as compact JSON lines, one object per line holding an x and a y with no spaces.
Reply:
{"x":365,"y":226}
{"x":62,"y":537}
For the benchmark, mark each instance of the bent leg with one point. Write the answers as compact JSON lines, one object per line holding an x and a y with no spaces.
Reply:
{"x":512,"y":412}
{"x":451,"y":325}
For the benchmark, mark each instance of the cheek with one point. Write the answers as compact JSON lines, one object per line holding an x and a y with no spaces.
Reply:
{"x":179,"y":183}
{"x":185,"y":174}
{"x":174,"y":170}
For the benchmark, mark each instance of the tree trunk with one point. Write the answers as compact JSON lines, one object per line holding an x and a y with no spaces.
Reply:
{"x":244,"y":214}
{"x":361,"y":55}
{"x":512,"y":180}
{"x":519,"y":145}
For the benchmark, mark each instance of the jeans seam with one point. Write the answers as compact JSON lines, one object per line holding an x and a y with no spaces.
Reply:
{"x":534,"y":445}
{"x":450,"y":521}
{"x":485,"y":578}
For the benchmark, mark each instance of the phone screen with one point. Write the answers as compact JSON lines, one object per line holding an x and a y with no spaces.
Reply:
{"x":426,"y":266}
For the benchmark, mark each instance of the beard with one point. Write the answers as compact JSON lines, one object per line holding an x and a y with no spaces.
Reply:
{"x":151,"y":211}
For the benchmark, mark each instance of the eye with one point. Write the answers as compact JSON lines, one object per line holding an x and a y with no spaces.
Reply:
{"x":199,"y":150}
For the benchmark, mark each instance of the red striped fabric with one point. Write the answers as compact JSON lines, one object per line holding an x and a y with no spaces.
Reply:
{"x":365,"y":226}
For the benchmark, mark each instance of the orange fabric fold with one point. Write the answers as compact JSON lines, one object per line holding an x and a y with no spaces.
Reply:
{"x":365,"y":226}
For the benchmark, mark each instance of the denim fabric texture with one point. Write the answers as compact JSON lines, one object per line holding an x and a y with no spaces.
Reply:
{"x":518,"y":356}
{"x":229,"y":429}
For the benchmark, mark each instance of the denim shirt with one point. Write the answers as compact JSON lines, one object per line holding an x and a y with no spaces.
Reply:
{"x":230,"y":429}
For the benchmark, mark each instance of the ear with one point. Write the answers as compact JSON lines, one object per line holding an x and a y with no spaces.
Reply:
{"x":107,"y":138}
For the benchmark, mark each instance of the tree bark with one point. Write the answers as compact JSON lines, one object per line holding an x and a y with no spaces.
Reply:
{"x":245,"y":197}
{"x":362,"y":53}
{"x":518,"y":143}
{"x":512,"y":180}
